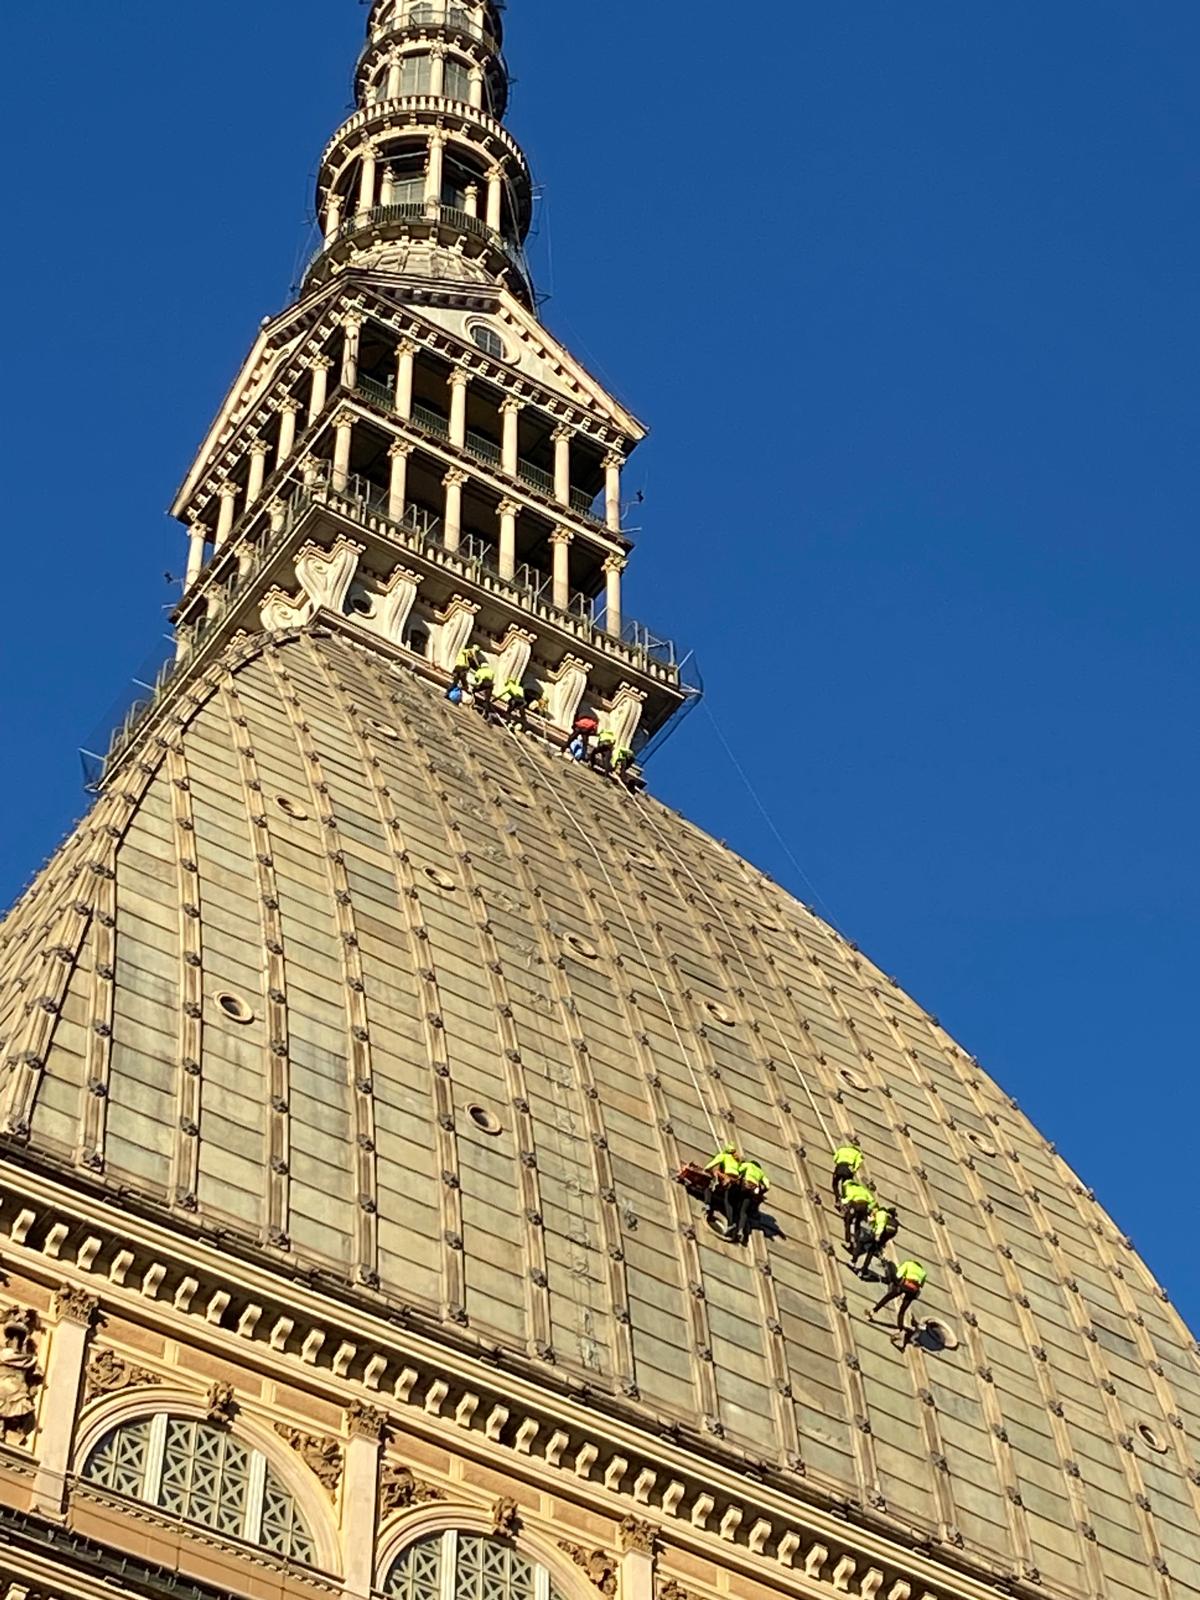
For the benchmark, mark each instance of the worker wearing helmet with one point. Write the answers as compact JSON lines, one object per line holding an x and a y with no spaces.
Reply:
{"x":847,"y":1163}
{"x":602,"y":756}
{"x":906,"y":1286}
{"x":511,"y":702}
{"x":748,"y":1197}
{"x":722,"y":1176}
{"x":483,"y":685}
{"x":857,"y":1204}
{"x":468,"y":660}
{"x":881,"y":1227}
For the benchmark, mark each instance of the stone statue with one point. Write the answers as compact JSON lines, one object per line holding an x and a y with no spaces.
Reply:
{"x":19,"y":1375}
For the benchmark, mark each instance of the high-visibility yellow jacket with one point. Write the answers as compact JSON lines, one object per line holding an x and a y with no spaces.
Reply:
{"x":606,"y":738}
{"x":912,"y":1274}
{"x":485,"y":674}
{"x":883,"y":1222}
{"x":469,"y":657}
{"x":857,"y":1194}
{"x":513,"y":691}
{"x":724,"y":1161}
{"x":848,"y":1155}
{"x":751,"y":1172}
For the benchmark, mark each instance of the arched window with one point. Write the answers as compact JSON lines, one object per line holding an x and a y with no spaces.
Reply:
{"x":199,"y":1473}
{"x":467,"y":1566}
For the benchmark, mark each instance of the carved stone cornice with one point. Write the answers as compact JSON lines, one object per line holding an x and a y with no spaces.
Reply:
{"x":108,"y":1373}
{"x":322,"y":1456}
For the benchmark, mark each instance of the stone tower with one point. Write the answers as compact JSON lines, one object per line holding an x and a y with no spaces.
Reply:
{"x":352,"y":1045}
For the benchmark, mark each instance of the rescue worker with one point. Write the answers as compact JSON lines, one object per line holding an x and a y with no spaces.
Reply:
{"x":882,"y":1226}
{"x":601,"y":757}
{"x":857,"y":1204}
{"x":582,"y":734}
{"x":906,"y":1287}
{"x":748,"y":1198}
{"x":847,"y":1163}
{"x":484,"y":687}
{"x":511,"y":702}
{"x":722,"y":1172}
{"x":468,"y":660}
{"x":621,"y":762}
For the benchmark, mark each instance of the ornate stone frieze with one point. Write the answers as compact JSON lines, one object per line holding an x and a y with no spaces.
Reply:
{"x":598,"y":1566}
{"x":108,"y":1373}
{"x":400,"y":1488}
{"x":19,"y":1374}
{"x":322,"y":1456}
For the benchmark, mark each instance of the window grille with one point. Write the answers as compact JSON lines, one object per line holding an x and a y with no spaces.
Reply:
{"x":203,"y":1474}
{"x":467,"y":1566}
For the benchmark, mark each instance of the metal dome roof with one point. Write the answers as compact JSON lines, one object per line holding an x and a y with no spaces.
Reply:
{"x":339,"y":967}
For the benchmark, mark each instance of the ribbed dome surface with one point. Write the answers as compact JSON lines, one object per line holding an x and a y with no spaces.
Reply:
{"x":328,"y":914}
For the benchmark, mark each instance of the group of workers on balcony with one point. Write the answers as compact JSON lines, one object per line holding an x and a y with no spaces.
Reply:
{"x":735,"y":1189}
{"x":511,"y":703}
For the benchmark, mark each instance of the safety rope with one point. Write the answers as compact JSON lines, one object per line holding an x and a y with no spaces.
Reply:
{"x":717,"y":1137}
{"x":770,"y":1010}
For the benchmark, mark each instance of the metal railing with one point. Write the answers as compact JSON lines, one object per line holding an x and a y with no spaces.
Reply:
{"x":435,"y":214}
{"x":535,"y":477}
{"x":432,"y":421}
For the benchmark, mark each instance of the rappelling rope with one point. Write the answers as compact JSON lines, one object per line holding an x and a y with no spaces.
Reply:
{"x":717,"y":1136}
{"x":767,"y":1008}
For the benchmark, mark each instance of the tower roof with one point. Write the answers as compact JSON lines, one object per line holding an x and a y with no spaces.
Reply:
{"x":338,"y":972}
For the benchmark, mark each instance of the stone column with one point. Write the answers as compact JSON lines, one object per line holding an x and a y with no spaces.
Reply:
{"x":387,"y":187}
{"x":437,"y":70}
{"x":74,"y":1311}
{"x":228,"y":494}
{"x":612,"y":490}
{"x":452,"y":522}
{"x":333,"y":216}
{"x":197,"y":538}
{"x":277,"y":511}
{"x":614,"y":566}
{"x":476,"y":89}
{"x":398,"y":454}
{"x":459,"y":379}
{"x":495,"y":198}
{"x":352,"y":323}
{"x":343,"y":439}
{"x":562,"y":463}
{"x":433,"y":170}
{"x":471,"y":199}
{"x":366,"y":179}
{"x":511,"y":410}
{"x":406,"y":356}
{"x":509,"y":511}
{"x":560,"y":543}
{"x":259,"y":451}
{"x":287,"y":430}
{"x":637,"y":1542}
{"x":393,"y":77}
{"x":320,"y":385}
{"x":360,"y":1495}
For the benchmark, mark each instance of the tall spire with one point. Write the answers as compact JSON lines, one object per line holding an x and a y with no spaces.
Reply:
{"x":424,"y":173}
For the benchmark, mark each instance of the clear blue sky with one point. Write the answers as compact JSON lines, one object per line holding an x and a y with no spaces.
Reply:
{"x":909,"y":295}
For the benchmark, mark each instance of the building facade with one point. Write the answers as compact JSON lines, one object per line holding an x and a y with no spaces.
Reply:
{"x":352,"y":1046}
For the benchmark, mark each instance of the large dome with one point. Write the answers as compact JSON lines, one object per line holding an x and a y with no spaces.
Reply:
{"x":387,"y":992}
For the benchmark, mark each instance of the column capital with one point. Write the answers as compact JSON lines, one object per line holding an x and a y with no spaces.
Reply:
{"x":352,"y":319}
{"x":277,"y":508}
{"x":438,"y":49}
{"x":364,"y":1421}
{"x":407,"y":347}
{"x":320,"y":363}
{"x":400,"y":447}
{"x":345,"y":419}
{"x":455,"y":478}
{"x":227,"y":487}
{"x":614,"y":458}
{"x":74,"y":1304}
{"x":564,"y":430}
{"x":260,"y":447}
{"x":496,"y":171}
{"x":509,"y":508}
{"x":290,"y":403}
{"x":459,"y":376}
{"x":199,"y":530}
{"x":562,"y":536}
{"x":615,"y":564}
{"x":368,"y":150}
{"x":511,"y":404}
{"x":437,"y":136}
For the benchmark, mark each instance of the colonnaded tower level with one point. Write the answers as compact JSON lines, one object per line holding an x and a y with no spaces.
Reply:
{"x":352,"y":1045}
